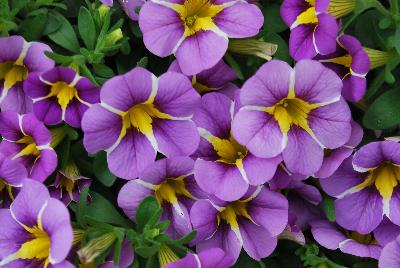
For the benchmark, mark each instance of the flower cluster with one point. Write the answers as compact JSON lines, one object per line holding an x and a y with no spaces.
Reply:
{"x":229,"y":167}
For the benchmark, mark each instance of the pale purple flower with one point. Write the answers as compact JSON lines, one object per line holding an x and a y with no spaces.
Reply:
{"x":140,"y":115}
{"x":298,"y":112}
{"x":18,"y":58}
{"x":209,"y":258}
{"x":36,"y":231}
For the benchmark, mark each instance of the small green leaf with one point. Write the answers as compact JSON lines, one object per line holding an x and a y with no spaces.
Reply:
{"x":328,"y":205}
{"x":186,"y":239}
{"x":143,"y":62}
{"x":235,"y":66}
{"x":384,"y":112}
{"x":273,"y":21}
{"x":146,"y":211}
{"x":65,"y":35}
{"x":87,"y":28}
{"x":101,"y":171}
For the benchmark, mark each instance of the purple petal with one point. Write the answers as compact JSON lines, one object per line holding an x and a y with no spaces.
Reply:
{"x":131,"y":195}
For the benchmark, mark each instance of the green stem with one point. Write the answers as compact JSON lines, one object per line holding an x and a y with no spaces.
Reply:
{"x":394,"y":6}
{"x":382,"y":9}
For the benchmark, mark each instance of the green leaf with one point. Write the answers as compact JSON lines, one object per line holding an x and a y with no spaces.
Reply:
{"x":32,"y":27}
{"x":101,"y":171}
{"x":235,"y":66}
{"x":384,"y":112}
{"x":328,"y":205}
{"x":186,"y":239}
{"x":146,"y":211}
{"x":102,"y":210}
{"x":143,"y":62}
{"x":87,"y":28}
{"x":283,"y":50}
{"x":65,"y":35}
{"x":82,"y":206}
{"x":272,"y":19}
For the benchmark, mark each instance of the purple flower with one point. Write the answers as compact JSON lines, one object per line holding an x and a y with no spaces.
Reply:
{"x":171,"y":181}
{"x":36,"y":231}
{"x":390,"y":256}
{"x":297,"y":112}
{"x":334,"y":158}
{"x":68,"y":184}
{"x":252,"y":222}
{"x":196,"y":31}
{"x":366,"y":187}
{"x":18,"y":58}
{"x":213,"y":79}
{"x":27,"y":140}
{"x":60,"y":94}
{"x":130,"y":7}
{"x":292,"y":231}
{"x":209,"y":258}
{"x":333,"y":237}
{"x":139,"y":115}
{"x":126,"y":259}
{"x":12,"y":174}
{"x":351,"y":63}
{"x":223,"y":167}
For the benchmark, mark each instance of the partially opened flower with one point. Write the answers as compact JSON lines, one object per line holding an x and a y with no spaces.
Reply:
{"x":68,"y":184}
{"x":223,"y":167}
{"x":351,"y":63}
{"x":196,"y":31}
{"x":27,"y":140}
{"x":60,"y":94}
{"x":313,"y":24}
{"x":171,"y":181}
{"x":297,"y":112}
{"x":139,"y":115}
{"x":334,"y":158}
{"x":216,"y":78}
{"x":332,"y":236}
{"x":367,"y":187}
{"x":18,"y":58}
{"x":12,"y":174}
{"x":36,"y":231}
{"x":209,"y":258}
{"x":252,"y":222}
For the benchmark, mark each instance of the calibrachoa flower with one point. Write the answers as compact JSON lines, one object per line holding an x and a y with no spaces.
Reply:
{"x":297,"y":112}
{"x":36,"y":231}
{"x":171,"y":181}
{"x":12,"y":174}
{"x":390,"y":256}
{"x":130,"y":7}
{"x":224,"y":168}
{"x":60,"y":94}
{"x":367,"y":187}
{"x":314,"y":25}
{"x":68,"y":184}
{"x":351,"y":63}
{"x":215,"y":78}
{"x":196,"y":31}
{"x":27,"y":140}
{"x":334,"y":158}
{"x":292,"y":231}
{"x":139,"y":115}
{"x":18,"y":58}
{"x":209,"y":258}
{"x":252,"y":222}
{"x":332,"y":236}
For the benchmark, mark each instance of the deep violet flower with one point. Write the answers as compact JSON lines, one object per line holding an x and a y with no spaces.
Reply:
{"x":171,"y":181}
{"x":36,"y":231}
{"x":366,"y":187}
{"x":217,"y":78}
{"x":27,"y":141}
{"x":297,"y":112}
{"x":223,"y":167}
{"x":314,"y":25}
{"x":252,"y":222}
{"x":60,"y":94}
{"x":18,"y":58}
{"x":351,"y":63}
{"x":209,"y":258}
{"x":139,"y":115}
{"x":196,"y":31}
{"x":12,"y":174}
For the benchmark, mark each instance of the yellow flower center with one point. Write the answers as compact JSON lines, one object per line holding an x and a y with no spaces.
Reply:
{"x":170,"y":189}
{"x":12,"y":73}
{"x":197,"y":15}
{"x":340,"y":8}
{"x":63,"y":92}
{"x":202,"y":89}
{"x":292,"y":111}
{"x":141,"y":117}
{"x":228,"y":150}
{"x":385,"y":178}
{"x":345,"y":60}
{"x":30,"y":147}
{"x":166,"y":256}
{"x":232,"y":212}
{"x":366,"y":239}
{"x":8,"y":188}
